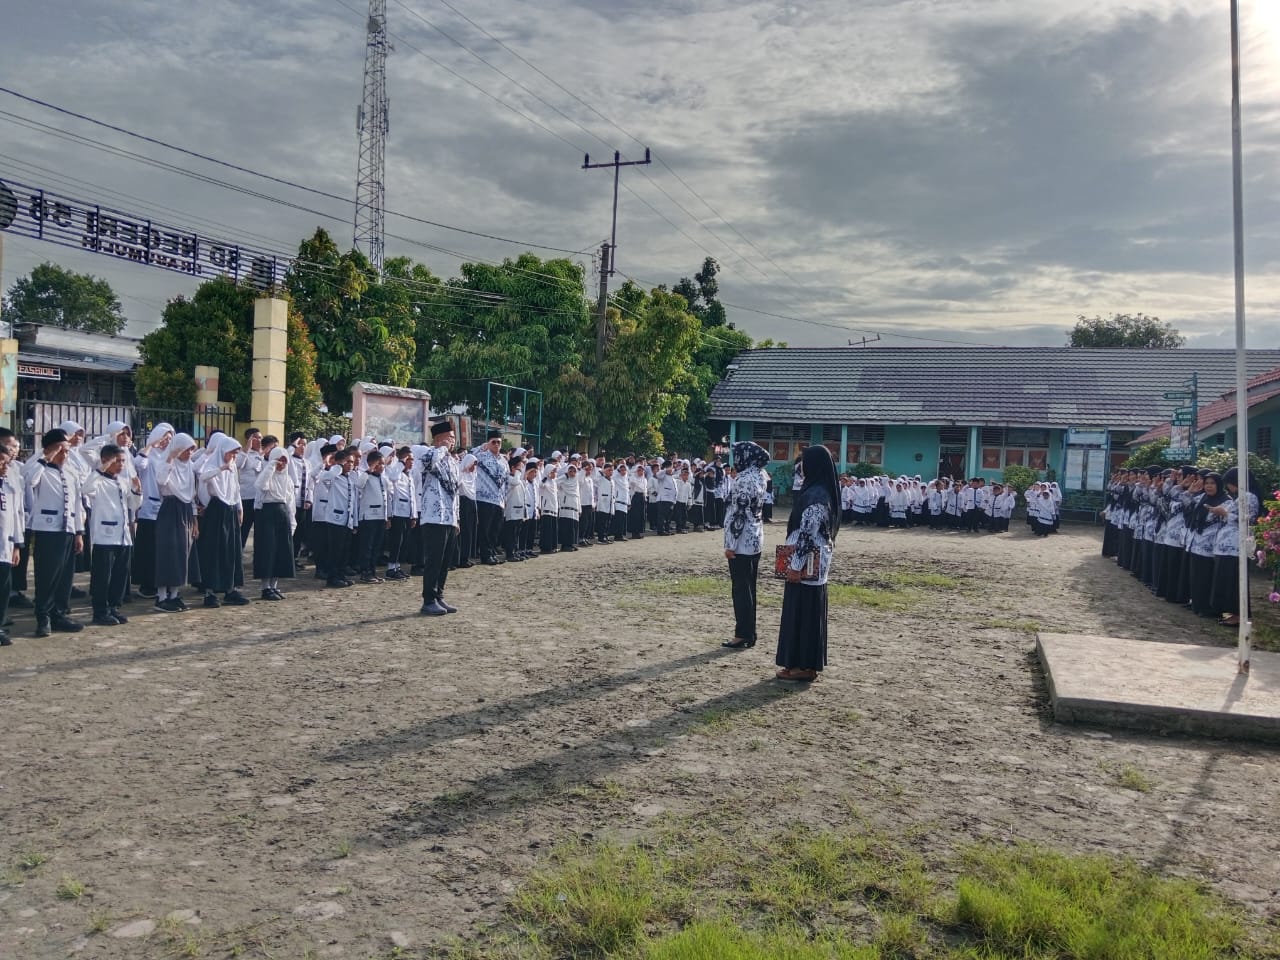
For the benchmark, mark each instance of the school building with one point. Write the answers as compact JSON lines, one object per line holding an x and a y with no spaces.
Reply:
{"x":968,"y":411}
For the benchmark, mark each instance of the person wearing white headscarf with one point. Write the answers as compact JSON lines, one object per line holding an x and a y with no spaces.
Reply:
{"x":219,"y":546}
{"x":468,"y":512}
{"x":143,"y":571}
{"x":176,"y":527}
{"x":272,"y":540}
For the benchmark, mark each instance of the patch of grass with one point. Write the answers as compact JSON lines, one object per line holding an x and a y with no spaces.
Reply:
{"x":1029,"y":902}
{"x":599,"y":902}
{"x":754,"y":744}
{"x":69,"y":888}
{"x":877,"y":598}
{"x":716,"y":721}
{"x":456,"y":799}
{"x":31,"y":859}
{"x":689,"y":587}
{"x":1129,"y":777}
{"x":1019,"y":626}
{"x":99,"y":921}
{"x":918,"y":579}
{"x":714,"y":890}
{"x":343,"y":849}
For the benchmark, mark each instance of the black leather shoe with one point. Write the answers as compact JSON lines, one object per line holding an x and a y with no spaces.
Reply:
{"x":211,"y":601}
{"x":4,"y":640}
{"x":235,"y":599}
{"x":448,"y":608}
{"x":120,"y":617}
{"x":43,"y":629}
{"x":738,"y":644}
{"x":66,"y":625}
{"x":106,"y":620}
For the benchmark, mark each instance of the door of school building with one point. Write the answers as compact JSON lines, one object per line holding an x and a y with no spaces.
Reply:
{"x":951,"y":461}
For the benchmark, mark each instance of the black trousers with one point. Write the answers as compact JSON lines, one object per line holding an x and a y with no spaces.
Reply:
{"x":547,"y":542}
{"x":511,"y":533}
{"x":369,"y":544}
{"x":708,"y":508}
{"x":246,"y":520}
{"x":491,"y":529}
{"x":743,"y":573}
{"x":619,"y":524}
{"x":586,"y":523}
{"x":467,"y":521}
{"x":681,"y":515}
{"x":719,"y":512}
{"x":568,"y":533}
{"x":397,"y":540}
{"x":663,"y":514}
{"x":635,"y":515}
{"x":108,"y":577}
{"x":54,"y":556}
{"x":696,"y":511}
{"x":1201,"y":585}
{"x":528,"y":534}
{"x":6,"y":585}
{"x":302,"y":529}
{"x":439,"y":540}
{"x":144,"y":548}
{"x":18,"y":576}
{"x":337,"y":549}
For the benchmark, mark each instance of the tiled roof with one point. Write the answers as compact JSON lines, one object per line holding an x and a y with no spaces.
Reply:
{"x":1209,"y":415}
{"x":1021,"y":386}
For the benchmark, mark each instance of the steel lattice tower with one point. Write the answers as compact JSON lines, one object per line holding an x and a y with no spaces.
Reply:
{"x":372,"y":126}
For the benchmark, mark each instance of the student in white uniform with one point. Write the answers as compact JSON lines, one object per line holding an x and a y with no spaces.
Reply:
{"x":402,"y":487}
{"x":176,"y":525}
{"x":373,"y":498}
{"x":219,"y":546}
{"x":13,"y":532}
{"x":56,"y":520}
{"x":274,"y":519}
{"x":568,"y":508}
{"x":111,"y":516}
{"x":621,"y":500}
{"x":549,"y":509}
{"x":604,"y":503}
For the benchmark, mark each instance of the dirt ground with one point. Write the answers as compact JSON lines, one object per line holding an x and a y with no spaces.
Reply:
{"x":336,"y":776}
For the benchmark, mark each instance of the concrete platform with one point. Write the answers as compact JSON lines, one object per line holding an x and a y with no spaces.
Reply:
{"x":1163,"y":687}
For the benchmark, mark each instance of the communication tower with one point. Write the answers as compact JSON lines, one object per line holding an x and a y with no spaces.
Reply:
{"x":372,"y":126}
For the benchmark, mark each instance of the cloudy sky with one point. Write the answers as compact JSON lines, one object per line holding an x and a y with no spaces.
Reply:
{"x":980,"y":171}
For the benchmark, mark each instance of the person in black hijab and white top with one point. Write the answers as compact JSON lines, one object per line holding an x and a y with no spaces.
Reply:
{"x":812,"y":530}
{"x":744,"y":539}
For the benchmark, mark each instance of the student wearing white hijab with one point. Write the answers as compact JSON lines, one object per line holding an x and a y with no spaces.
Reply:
{"x":145,"y":462}
{"x":219,"y":545}
{"x":273,"y":539}
{"x":176,"y":529}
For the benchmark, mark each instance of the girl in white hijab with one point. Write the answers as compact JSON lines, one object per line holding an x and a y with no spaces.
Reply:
{"x":273,"y":528}
{"x":176,"y":528}
{"x":221,"y":569}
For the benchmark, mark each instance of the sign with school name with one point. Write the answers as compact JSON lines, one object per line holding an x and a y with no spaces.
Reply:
{"x":41,"y":214}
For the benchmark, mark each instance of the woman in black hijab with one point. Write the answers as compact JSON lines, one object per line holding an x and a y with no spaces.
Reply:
{"x":812,"y":529}
{"x":1225,"y":597}
{"x":744,"y":538}
{"x":1205,"y":518}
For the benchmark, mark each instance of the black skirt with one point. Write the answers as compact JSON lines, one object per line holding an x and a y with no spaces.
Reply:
{"x":1225,"y":594}
{"x":144,"y":553}
{"x":173,"y":542}
{"x":272,"y":542}
{"x":221,"y":567}
{"x":802,"y":635}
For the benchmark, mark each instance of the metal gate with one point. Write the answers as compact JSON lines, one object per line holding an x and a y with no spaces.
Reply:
{"x":39,"y":417}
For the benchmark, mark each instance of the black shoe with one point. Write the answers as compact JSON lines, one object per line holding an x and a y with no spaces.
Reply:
{"x":738,"y":644}
{"x":490,"y":563}
{"x":466,"y":566}
{"x":211,"y":600}
{"x":570,"y":549}
{"x":370,"y":578}
{"x":4,"y":640}
{"x":337,"y":584}
{"x":271,"y":595}
{"x":78,"y":594}
{"x":43,"y":629}
{"x":120,"y":617}
{"x":66,"y":625}
{"x":448,"y":608}
{"x":179,"y":604}
{"x":106,"y":620}
{"x":235,"y":599}
{"x":21,"y":601}
{"x":432,"y":609}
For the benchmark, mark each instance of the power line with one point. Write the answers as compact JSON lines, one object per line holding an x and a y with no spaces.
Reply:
{"x":266,"y":176}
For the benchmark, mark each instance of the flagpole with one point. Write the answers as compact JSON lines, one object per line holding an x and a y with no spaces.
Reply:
{"x":1245,"y":551}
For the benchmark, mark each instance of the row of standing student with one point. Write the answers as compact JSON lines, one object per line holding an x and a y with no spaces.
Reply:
{"x":945,"y":504}
{"x":1176,"y":529}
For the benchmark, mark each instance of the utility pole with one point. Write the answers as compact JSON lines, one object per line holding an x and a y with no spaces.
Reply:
{"x":608,"y":251}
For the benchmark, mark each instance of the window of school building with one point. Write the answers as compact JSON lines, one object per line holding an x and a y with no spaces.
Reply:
{"x":1007,"y":446}
{"x":865,"y":444}
{"x":784,"y":441}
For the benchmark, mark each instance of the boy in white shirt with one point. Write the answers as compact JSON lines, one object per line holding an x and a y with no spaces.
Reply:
{"x":13,"y":533}
{"x":111,"y":535}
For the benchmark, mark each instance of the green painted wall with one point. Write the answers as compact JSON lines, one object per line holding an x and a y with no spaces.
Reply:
{"x":901,"y":444}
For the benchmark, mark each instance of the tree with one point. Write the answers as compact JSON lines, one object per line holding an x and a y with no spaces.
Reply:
{"x":62,"y":298}
{"x":1019,"y":477}
{"x":215,"y":328}
{"x":1148,"y":455}
{"x":363,"y":326}
{"x":1136,"y":331}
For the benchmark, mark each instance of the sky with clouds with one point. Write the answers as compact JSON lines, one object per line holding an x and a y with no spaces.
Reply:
{"x":980,"y":171}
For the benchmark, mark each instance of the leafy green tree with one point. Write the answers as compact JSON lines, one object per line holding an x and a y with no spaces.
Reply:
{"x":524,"y":322}
{"x":363,"y":326}
{"x":1136,"y":331}
{"x":1019,"y":477}
{"x":62,"y":298}
{"x":1266,"y":472}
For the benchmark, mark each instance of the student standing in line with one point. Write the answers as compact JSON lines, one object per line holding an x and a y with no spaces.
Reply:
{"x":248,"y":466}
{"x":57,"y":523}
{"x":1225,"y":597}
{"x":402,"y":487}
{"x":604,"y":503}
{"x":586,"y":501}
{"x":219,"y":547}
{"x":438,"y":515}
{"x":274,"y":519}
{"x":812,"y":530}
{"x":744,"y":539}
{"x":303,"y":477}
{"x":621,"y":500}
{"x":13,"y":533}
{"x":176,"y":526}
{"x":373,"y":496}
{"x":112,"y":520}
{"x":568,"y":509}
